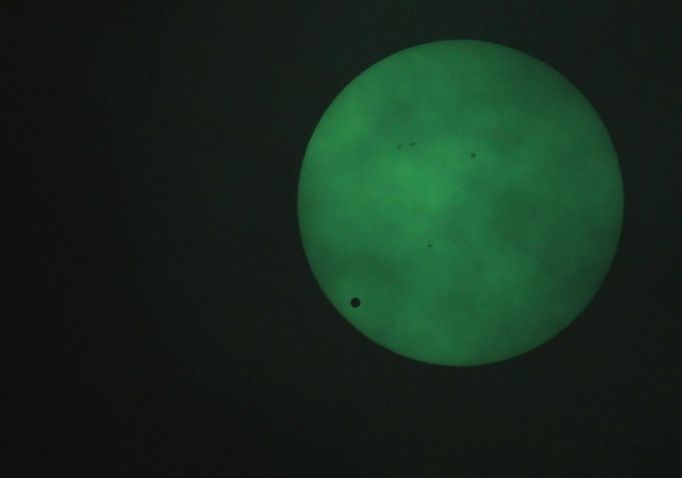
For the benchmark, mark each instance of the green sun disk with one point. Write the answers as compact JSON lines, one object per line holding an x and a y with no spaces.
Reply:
{"x":460,"y":202}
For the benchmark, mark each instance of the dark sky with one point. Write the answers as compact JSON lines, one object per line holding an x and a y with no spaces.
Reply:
{"x":166,"y":319}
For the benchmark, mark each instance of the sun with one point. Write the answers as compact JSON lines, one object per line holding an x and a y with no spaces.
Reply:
{"x":460,"y":202}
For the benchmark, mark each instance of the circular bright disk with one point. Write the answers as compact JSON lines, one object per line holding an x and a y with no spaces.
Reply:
{"x":460,"y":202}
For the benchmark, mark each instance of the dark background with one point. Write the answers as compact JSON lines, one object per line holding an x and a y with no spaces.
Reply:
{"x":166,"y":321}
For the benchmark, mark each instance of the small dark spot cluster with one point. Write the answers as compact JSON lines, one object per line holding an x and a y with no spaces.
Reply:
{"x":431,"y":245}
{"x":473,"y":155}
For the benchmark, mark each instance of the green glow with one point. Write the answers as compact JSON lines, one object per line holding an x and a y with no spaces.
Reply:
{"x":468,"y":195}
